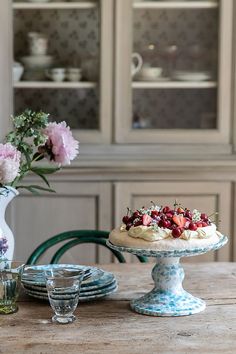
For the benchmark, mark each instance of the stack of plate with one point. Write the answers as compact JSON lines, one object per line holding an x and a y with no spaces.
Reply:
{"x":97,"y":283}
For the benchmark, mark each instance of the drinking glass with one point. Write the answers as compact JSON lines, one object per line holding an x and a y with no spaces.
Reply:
{"x":63,"y":288}
{"x":10,"y":282}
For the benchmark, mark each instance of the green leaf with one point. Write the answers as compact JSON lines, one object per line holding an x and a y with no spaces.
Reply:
{"x":33,"y":188}
{"x":41,"y":176}
{"x":45,"y":170}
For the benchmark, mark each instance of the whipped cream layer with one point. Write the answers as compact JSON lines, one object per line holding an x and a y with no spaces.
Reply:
{"x":149,"y":233}
{"x":145,"y":237}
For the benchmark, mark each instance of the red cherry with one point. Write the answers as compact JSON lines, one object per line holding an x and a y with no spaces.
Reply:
{"x":154,"y":213}
{"x":136,"y":215}
{"x":199,"y":224}
{"x":169,"y":215}
{"x":188,"y":214}
{"x":128,"y":226}
{"x":192,"y":226}
{"x":204,"y":216}
{"x":204,"y":224}
{"x":206,"y":220}
{"x":172,"y":212}
{"x":176,"y":232}
{"x":125,"y":219}
{"x":138,"y":222}
{"x":156,"y":219}
{"x":166,"y":224}
{"x":166,"y":209}
{"x":163,"y":217}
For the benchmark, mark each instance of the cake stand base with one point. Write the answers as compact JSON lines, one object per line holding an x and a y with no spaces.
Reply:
{"x":163,"y":304}
{"x":168,"y":298}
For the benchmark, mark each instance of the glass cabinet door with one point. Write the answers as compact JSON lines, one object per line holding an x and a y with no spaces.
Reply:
{"x":65,"y":50}
{"x":177,"y":64}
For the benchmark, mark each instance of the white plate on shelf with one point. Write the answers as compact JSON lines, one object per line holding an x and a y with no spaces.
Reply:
{"x":183,"y":75}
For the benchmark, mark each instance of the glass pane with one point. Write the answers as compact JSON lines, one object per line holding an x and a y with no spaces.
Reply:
{"x":174,"y":109}
{"x":78,"y":108}
{"x":176,"y":86}
{"x":60,"y":47}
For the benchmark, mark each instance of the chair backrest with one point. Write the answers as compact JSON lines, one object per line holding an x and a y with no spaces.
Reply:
{"x":74,"y":238}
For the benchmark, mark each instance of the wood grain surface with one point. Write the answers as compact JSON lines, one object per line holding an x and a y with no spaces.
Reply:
{"x":109,"y":326}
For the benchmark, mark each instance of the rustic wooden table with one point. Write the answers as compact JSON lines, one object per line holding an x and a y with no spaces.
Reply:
{"x":109,"y":326}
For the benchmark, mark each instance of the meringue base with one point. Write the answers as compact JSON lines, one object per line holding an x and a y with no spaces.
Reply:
{"x":119,"y":238}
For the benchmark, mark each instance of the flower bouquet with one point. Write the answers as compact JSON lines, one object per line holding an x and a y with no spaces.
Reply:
{"x":32,"y":141}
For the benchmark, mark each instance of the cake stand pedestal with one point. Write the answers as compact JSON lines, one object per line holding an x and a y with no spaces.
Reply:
{"x":168,"y":298}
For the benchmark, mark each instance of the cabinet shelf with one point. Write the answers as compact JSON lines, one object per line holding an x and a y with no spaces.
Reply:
{"x":176,"y":5}
{"x":54,"y":85}
{"x":174,"y":85}
{"x":55,"y":5}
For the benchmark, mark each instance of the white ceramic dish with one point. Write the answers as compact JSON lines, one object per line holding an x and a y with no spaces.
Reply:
{"x":37,"y":61}
{"x":17,"y":71}
{"x":192,"y":76}
{"x":150,"y":73}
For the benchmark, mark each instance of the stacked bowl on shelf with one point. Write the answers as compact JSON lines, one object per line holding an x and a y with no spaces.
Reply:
{"x":38,"y":61}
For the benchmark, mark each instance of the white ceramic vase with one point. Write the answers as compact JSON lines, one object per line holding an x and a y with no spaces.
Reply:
{"x":6,"y":195}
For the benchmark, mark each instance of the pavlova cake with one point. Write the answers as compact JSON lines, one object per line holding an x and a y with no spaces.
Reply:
{"x":165,"y":228}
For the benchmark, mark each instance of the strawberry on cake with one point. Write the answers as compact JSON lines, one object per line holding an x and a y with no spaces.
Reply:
{"x":165,"y":228}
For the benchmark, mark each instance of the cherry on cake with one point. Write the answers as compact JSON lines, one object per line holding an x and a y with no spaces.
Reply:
{"x":165,"y":228}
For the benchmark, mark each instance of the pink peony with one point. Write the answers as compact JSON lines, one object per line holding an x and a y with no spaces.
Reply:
{"x":60,"y":146}
{"x":9,"y":163}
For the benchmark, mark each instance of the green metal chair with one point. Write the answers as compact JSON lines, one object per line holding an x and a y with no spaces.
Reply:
{"x":74,"y":238}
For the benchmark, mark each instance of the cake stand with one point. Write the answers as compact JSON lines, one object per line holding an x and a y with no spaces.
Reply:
{"x":168,"y":298}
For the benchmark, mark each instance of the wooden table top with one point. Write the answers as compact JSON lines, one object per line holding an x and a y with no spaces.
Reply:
{"x":109,"y":326}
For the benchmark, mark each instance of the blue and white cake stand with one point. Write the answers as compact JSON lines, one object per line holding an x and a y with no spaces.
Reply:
{"x":168,"y":298}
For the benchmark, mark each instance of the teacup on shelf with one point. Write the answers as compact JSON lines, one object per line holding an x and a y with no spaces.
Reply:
{"x":74,"y":74}
{"x":150,"y":73}
{"x":56,"y":74}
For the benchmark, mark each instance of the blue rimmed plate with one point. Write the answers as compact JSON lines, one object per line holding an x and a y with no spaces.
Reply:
{"x":83,"y":298}
{"x":34,"y":275}
{"x":105,"y":280}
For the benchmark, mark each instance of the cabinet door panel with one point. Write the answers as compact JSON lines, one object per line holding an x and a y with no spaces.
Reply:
{"x":205,"y":196}
{"x":75,"y":206}
{"x":155,"y":103}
